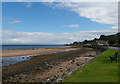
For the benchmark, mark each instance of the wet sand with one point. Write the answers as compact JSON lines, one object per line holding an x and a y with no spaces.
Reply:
{"x":22,"y":52}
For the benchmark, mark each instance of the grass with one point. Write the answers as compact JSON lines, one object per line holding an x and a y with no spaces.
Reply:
{"x":100,"y":70}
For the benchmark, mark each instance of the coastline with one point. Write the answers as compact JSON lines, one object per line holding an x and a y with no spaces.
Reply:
{"x":43,"y":66}
{"x":24,"y":52}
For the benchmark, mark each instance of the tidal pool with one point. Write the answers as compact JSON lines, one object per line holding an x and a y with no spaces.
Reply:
{"x":12,"y":60}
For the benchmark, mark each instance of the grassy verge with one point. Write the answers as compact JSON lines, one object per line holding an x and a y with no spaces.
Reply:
{"x":100,"y":70}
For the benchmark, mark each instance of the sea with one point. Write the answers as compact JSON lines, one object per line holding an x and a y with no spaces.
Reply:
{"x":8,"y":47}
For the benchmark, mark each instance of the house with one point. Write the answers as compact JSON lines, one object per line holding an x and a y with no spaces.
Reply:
{"x":102,"y":42}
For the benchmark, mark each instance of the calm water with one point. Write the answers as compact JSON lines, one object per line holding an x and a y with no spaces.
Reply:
{"x":6,"y":47}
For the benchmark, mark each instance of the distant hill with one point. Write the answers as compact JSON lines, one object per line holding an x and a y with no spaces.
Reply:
{"x":109,"y":40}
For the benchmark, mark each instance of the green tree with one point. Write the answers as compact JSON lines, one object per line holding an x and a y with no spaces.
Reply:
{"x":75,"y":43}
{"x":102,"y":37}
{"x":85,"y":42}
{"x":111,"y":42}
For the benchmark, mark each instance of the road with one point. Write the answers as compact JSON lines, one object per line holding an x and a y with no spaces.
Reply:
{"x":115,"y":48}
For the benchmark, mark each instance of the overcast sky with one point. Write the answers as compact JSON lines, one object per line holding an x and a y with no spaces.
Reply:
{"x":57,"y":22}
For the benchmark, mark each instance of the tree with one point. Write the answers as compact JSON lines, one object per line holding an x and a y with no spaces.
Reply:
{"x":95,"y":39}
{"x":111,"y":42}
{"x":75,"y":43}
{"x":102,"y":37}
{"x":118,"y":39}
{"x":85,"y":42}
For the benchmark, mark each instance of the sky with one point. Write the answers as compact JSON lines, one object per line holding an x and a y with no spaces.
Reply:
{"x":57,"y":22}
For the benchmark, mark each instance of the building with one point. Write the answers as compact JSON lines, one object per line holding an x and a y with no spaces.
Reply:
{"x":102,"y":42}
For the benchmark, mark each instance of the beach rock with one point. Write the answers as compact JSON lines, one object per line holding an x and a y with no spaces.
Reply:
{"x":89,"y":55}
{"x":20,"y":78}
{"x":48,"y":80}
{"x":73,"y":61}
{"x":46,"y":68}
{"x":76,"y":59}
{"x":38,"y":69}
{"x":50,"y":66}
{"x":78,"y":64}
{"x":63,"y":75}
{"x":68,"y":69}
{"x":23,"y":57}
{"x":59,"y":80}
{"x":45,"y":63}
{"x":55,"y":77}
{"x":69,"y":58}
{"x":61,"y":71}
{"x":11,"y":77}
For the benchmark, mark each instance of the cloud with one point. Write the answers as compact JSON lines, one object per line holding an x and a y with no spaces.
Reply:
{"x":115,"y":27}
{"x":13,"y":37}
{"x":103,"y":13}
{"x":72,"y":26}
{"x":16,"y":21}
{"x":28,"y":5}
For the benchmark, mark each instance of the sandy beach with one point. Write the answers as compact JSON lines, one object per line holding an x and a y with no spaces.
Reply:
{"x":22,"y":52}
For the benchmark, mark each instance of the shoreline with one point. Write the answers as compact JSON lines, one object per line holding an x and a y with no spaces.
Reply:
{"x":6,"y":61}
{"x":24,"y":52}
{"x":43,"y":66}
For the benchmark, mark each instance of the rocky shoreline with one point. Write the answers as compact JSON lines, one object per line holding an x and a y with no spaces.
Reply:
{"x":49,"y":68}
{"x":71,"y":66}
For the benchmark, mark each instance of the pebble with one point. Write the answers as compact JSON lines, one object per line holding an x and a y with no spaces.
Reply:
{"x":78,"y":64}
{"x":73,"y":60}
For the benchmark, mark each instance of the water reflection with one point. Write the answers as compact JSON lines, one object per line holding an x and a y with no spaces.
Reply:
{"x":12,"y":60}
{"x":70,"y":49}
